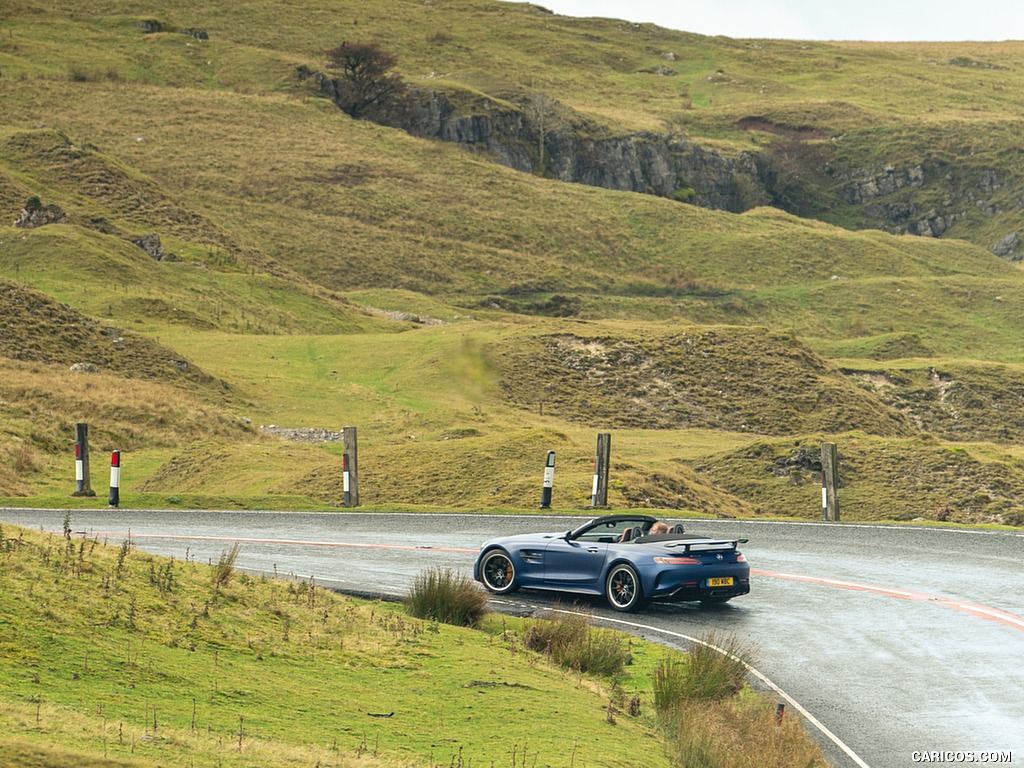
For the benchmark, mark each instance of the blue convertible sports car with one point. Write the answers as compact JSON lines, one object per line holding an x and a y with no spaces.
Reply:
{"x":620,"y":557}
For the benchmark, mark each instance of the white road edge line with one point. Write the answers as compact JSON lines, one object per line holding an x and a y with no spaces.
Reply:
{"x":755,"y":672}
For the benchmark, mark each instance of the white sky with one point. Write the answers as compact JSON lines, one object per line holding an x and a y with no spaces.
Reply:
{"x":884,"y":20}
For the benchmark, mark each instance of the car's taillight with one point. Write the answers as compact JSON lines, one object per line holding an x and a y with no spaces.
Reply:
{"x":740,"y":558}
{"x":677,"y":561}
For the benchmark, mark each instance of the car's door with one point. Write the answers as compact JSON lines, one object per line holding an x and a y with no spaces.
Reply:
{"x":570,"y":563}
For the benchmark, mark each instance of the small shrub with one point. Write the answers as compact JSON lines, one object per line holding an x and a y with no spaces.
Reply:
{"x":716,"y":670}
{"x":225,"y":567}
{"x":24,"y":459}
{"x":443,"y":595}
{"x":718,"y":667}
{"x":78,"y":74}
{"x":122,"y":555}
{"x":670,"y":685}
{"x":745,"y":729}
{"x":684,"y":194}
{"x":573,"y":643}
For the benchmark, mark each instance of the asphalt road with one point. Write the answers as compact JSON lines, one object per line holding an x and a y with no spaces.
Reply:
{"x":897,"y":640}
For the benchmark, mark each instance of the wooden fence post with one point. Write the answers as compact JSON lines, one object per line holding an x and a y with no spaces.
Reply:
{"x":599,"y":496}
{"x":830,"y":482}
{"x":350,"y":466}
{"x":83,"y":483}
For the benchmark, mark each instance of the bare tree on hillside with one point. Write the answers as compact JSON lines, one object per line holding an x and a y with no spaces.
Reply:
{"x":542,"y":111}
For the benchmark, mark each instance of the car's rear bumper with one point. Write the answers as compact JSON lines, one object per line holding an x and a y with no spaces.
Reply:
{"x":691,"y":584}
{"x":694,"y":591}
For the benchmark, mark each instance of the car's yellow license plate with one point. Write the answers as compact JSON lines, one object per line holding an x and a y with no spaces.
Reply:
{"x":721,"y":581}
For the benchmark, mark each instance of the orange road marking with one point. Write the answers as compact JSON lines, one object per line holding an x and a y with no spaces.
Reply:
{"x":975,"y":609}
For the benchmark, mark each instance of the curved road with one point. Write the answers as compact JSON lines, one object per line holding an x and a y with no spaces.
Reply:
{"x":898,"y":640}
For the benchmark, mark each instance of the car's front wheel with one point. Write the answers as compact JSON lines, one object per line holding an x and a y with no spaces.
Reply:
{"x":623,"y":589}
{"x":498,"y":573}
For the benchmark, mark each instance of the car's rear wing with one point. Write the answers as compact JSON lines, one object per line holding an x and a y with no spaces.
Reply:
{"x":707,"y":545}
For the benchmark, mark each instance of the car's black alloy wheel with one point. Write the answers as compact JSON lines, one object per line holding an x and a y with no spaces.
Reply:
{"x":623,"y":589}
{"x":498,"y":572}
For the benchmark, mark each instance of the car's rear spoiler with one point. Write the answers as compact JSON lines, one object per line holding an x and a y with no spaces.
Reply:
{"x":703,"y":546}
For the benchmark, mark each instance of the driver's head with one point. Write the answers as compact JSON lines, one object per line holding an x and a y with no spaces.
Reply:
{"x":658,"y":527}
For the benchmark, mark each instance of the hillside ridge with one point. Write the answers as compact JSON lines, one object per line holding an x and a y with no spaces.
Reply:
{"x":330,"y":272}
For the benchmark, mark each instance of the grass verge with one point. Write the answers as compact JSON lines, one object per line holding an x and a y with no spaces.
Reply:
{"x":116,"y":657}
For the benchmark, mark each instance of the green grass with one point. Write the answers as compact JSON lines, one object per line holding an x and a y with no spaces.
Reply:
{"x":112,"y":653}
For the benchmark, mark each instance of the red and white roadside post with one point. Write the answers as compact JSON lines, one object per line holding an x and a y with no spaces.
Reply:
{"x":79,"y":468}
{"x":549,"y":480}
{"x":115,"y":479}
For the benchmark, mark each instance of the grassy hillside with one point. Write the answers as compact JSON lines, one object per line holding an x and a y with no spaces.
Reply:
{"x":466,"y":317}
{"x":827,"y":116}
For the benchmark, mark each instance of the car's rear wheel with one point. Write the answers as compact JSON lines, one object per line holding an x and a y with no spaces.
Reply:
{"x":498,"y":573}
{"x":623,"y":589}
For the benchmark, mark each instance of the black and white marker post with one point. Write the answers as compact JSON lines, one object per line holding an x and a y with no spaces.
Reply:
{"x":115,"y":479}
{"x":549,"y":480}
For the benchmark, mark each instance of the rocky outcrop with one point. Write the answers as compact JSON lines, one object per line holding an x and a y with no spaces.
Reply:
{"x":154,"y":248}
{"x":153,"y":26}
{"x":151,"y":245}
{"x":866,"y":186}
{"x":908,"y":218}
{"x":303,"y":434}
{"x":542,"y":137}
{"x":891,"y":199}
{"x":640,"y":162}
{"x":35,"y":214}
{"x":554,"y":143}
{"x":1009,"y":247}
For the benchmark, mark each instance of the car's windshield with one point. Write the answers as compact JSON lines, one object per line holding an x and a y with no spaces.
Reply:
{"x":612,"y":530}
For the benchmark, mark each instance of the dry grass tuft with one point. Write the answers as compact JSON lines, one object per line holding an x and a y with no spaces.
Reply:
{"x":572,"y":643}
{"x":442,"y":595}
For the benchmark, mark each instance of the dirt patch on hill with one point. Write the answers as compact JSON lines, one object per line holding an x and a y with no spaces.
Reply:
{"x":735,"y":379}
{"x":36,"y":328}
{"x":955,"y":402}
{"x":781,"y":129}
{"x":880,"y":479}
